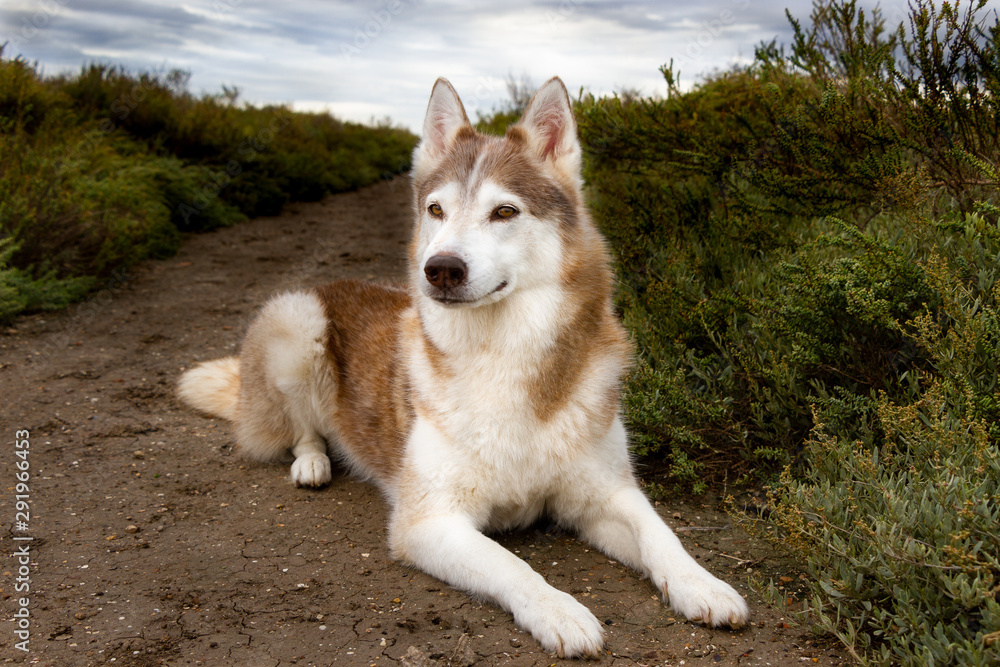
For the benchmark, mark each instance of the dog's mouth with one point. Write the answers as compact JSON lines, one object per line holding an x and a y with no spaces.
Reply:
{"x":449,"y":299}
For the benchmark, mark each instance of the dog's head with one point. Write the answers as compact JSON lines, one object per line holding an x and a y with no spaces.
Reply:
{"x":493,"y":213}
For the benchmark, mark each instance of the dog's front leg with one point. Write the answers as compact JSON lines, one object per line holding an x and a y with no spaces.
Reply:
{"x":434,"y":528}
{"x":451,"y":549}
{"x":625,"y":526}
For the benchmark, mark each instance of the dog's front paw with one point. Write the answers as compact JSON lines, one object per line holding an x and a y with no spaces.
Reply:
{"x":563,"y":626}
{"x":701,"y":597}
{"x":312,"y":470}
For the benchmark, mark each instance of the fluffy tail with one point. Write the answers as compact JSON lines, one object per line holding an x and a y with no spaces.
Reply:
{"x":212,"y":387}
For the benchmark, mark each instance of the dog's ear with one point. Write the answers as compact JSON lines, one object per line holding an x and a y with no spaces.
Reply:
{"x":552,"y":128}
{"x":445,"y":117}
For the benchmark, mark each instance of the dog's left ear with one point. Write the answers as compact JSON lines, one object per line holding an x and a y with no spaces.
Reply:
{"x":552,"y":128}
{"x":445,"y":117}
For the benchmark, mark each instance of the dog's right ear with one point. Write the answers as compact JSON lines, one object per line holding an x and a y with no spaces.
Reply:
{"x":552,"y":128}
{"x":445,"y":117}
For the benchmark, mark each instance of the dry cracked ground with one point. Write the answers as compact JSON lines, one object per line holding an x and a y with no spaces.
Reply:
{"x":152,"y":544}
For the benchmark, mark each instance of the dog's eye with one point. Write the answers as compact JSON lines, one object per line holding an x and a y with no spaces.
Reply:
{"x":505,"y":212}
{"x":435,"y":210}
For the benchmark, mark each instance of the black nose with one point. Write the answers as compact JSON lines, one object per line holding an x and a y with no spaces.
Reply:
{"x":445,"y":271}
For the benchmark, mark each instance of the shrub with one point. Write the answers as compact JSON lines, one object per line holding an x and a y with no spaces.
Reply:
{"x":897,"y":519}
{"x":900,"y":538}
{"x":80,"y":218}
{"x":25,"y":100}
{"x":20,"y":291}
{"x":106,"y":167}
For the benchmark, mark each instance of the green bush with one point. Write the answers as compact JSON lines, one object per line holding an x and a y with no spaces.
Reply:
{"x":106,"y":167}
{"x":25,"y":100}
{"x":20,"y":291}
{"x":896,"y":514}
{"x":80,"y":218}
{"x":901,"y":539}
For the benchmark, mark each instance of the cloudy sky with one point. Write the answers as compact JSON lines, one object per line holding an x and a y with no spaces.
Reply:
{"x":368,"y":60}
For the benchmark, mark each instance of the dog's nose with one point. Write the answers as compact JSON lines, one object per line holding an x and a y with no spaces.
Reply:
{"x":445,"y":271}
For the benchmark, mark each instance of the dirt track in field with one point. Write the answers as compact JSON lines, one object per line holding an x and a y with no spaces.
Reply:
{"x":151,"y":544}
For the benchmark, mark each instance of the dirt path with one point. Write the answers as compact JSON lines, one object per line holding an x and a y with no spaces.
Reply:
{"x":152,"y":545}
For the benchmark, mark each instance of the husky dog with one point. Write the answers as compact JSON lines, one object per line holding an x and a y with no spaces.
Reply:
{"x":483,"y":394}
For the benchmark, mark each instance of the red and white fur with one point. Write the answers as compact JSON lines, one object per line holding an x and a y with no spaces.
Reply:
{"x":483,"y":394}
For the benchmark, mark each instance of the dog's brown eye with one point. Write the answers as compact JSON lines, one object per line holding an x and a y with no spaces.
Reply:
{"x":435,"y":210}
{"x":505,"y":212}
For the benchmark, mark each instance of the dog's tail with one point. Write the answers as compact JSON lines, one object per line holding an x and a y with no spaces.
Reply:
{"x":212,"y":387}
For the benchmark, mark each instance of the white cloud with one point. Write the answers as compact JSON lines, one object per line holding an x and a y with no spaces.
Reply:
{"x":381,"y":57}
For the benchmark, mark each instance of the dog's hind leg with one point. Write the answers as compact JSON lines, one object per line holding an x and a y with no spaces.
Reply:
{"x":288,"y":387}
{"x":312,"y":465}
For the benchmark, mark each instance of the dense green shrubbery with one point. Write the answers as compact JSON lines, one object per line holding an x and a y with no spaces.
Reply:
{"x":809,"y":261}
{"x":106,"y":167}
{"x":897,"y":514}
{"x":770,"y":225}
